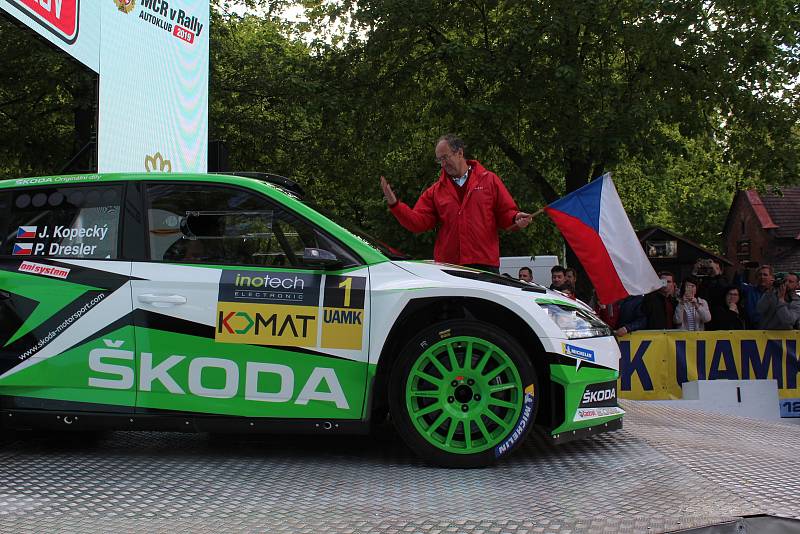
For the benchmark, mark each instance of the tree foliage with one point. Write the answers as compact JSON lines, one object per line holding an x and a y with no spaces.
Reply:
{"x":261,"y":94}
{"x":47,"y":104}
{"x":552,"y":94}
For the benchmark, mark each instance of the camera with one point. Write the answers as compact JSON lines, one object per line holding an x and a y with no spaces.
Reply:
{"x":779,"y":281}
{"x":702,"y":267}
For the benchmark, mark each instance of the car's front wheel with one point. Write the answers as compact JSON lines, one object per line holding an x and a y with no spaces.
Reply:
{"x":463,"y":393}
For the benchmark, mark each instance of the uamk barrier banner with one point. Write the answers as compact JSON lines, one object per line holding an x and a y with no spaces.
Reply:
{"x":654,"y":363}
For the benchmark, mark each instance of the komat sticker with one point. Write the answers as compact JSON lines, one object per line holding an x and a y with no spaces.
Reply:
{"x":268,"y":308}
{"x":343,"y":312}
{"x":266,"y":324}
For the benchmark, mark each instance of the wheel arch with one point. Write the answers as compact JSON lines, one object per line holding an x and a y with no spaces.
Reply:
{"x":422,"y":312}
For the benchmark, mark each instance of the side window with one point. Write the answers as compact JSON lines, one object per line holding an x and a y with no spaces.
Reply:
{"x":202,"y":223}
{"x":61,"y":222}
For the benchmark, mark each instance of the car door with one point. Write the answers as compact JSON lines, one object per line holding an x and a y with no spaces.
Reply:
{"x":231,"y":321}
{"x":66,"y":332}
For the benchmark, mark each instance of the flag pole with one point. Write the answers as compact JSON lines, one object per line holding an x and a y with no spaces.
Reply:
{"x":539,"y":212}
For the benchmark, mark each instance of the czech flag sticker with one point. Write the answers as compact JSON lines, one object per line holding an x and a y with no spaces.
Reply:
{"x":23,"y":249}
{"x":26,"y":232}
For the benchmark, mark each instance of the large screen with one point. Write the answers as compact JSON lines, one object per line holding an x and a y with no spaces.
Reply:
{"x":152,"y":60}
{"x":153,"y":86}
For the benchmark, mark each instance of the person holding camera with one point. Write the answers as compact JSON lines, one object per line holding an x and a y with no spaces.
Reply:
{"x":776,"y":308}
{"x":751,"y":294}
{"x":692,"y":312}
{"x":713,"y":284}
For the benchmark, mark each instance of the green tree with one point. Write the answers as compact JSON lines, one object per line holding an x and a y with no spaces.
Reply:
{"x":47,"y":107}
{"x":688,"y":190}
{"x":261,"y":94}
{"x":551,"y":94}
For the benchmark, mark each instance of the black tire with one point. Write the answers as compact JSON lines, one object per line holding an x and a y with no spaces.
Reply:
{"x":441,"y":408}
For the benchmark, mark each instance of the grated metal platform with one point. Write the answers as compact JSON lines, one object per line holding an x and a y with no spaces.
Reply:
{"x":668,"y":469}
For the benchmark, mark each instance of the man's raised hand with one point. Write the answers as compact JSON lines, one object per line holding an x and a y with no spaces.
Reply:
{"x":391,"y":198}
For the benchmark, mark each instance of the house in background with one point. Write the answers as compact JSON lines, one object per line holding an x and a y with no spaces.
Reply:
{"x":668,"y":251}
{"x":764,"y":228}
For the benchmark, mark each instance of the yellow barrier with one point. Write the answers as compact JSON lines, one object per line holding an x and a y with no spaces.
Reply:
{"x":654,"y":363}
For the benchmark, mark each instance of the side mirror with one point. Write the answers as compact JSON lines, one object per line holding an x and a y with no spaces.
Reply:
{"x":318,"y":257}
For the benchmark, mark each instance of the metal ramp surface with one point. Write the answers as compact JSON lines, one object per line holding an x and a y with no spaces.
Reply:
{"x":667,"y":469}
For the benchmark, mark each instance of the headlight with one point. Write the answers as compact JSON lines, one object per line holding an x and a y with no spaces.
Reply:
{"x":575,"y":322}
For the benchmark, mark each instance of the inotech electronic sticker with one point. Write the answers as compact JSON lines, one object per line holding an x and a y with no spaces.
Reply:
{"x":268,"y":308}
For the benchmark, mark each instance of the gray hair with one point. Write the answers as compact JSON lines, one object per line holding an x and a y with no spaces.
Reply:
{"x":453,"y":141}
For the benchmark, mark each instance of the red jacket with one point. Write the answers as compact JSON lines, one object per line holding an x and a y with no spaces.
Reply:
{"x":467,"y":229}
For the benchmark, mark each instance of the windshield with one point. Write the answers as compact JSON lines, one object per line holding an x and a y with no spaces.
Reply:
{"x":388,"y":251}
{"x":492,"y":278}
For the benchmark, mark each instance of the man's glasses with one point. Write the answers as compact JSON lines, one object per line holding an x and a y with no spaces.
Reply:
{"x":442,"y":159}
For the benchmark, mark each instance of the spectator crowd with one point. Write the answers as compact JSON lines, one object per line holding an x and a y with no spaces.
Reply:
{"x":705,"y":300}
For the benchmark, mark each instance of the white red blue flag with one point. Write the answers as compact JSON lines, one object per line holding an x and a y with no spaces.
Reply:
{"x":23,"y":249}
{"x":595,"y":225}
{"x":26,"y":232}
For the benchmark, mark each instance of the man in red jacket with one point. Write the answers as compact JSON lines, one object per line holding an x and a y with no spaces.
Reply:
{"x":468,"y":204}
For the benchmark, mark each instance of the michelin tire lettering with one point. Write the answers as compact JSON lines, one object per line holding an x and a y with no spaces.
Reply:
{"x":519,"y":430}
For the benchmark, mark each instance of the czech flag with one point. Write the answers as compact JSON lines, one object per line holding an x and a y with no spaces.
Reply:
{"x":26,"y":232}
{"x":595,"y":225}
{"x":23,"y":249}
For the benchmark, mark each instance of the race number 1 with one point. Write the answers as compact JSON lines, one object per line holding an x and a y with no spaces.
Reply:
{"x":343,"y":312}
{"x":347,"y":285}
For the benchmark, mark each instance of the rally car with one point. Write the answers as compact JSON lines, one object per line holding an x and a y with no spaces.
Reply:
{"x":216,"y":303}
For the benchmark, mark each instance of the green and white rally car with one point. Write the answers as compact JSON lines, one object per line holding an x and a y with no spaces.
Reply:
{"x":219,"y":303}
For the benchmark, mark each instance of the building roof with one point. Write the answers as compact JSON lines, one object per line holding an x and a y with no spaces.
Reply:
{"x":776,"y":210}
{"x":645,"y":233}
{"x":783,"y":207}
{"x":789,"y":261}
{"x":761,"y":211}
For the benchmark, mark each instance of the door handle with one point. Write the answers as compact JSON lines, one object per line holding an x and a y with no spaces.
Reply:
{"x":162,"y":301}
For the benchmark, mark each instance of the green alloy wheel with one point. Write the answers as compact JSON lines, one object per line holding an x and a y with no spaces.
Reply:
{"x":462,"y":394}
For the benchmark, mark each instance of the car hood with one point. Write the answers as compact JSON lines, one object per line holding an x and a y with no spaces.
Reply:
{"x":457,"y":275}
